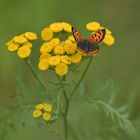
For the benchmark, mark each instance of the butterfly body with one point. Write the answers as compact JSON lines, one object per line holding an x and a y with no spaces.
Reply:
{"x":89,"y":46}
{"x":86,"y":47}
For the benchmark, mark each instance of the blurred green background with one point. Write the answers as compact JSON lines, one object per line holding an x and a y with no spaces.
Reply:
{"x":121,"y":62}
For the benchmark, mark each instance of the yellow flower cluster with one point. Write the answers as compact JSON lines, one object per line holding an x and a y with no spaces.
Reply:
{"x":22,"y":44}
{"x":109,"y":40}
{"x":43,"y":110}
{"x":58,"y":53}
{"x":55,"y":53}
{"x":48,"y":33}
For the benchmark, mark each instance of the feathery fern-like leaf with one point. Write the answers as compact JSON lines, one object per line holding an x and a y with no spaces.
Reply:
{"x":116,"y":116}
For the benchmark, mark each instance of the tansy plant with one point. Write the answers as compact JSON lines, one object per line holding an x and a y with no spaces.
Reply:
{"x":60,"y":54}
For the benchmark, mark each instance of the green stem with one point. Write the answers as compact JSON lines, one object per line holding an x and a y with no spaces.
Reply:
{"x":66,"y":111}
{"x":65,"y":122}
{"x":64,"y":92}
{"x":55,"y":131}
{"x":37,"y":77}
{"x":81,"y":78}
{"x":66,"y":106}
{"x":63,"y":86}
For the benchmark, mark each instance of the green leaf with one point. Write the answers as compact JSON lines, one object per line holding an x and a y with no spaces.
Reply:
{"x":108,"y":90}
{"x":41,"y":95}
{"x":131,"y":100}
{"x":58,"y":101}
{"x":25,"y":96}
{"x":25,"y":114}
{"x":54,"y":116}
{"x":116,"y":116}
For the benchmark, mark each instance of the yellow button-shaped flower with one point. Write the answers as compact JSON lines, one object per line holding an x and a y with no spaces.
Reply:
{"x":30,"y":35}
{"x":20,"y":39}
{"x":44,"y":56}
{"x":81,"y":53}
{"x":46,"y":34}
{"x":43,"y":64}
{"x":46,"y":116}
{"x":59,"y":49}
{"x":76,"y":58}
{"x":70,"y":47}
{"x":93,"y":26}
{"x":10,"y":42}
{"x":109,"y":40}
{"x":13,"y":47}
{"x":66,"y":27}
{"x":108,"y":32}
{"x":54,"y":60}
{"x":61,"y":69}
{"x":37,"y":113}
{"x":71,"y":38}
{"x":55,"y":41}
{"x":24,"y":52}
{"x":47,"y":107}
{"x":56,"y":27}
{"x":39,"y":106}
{"x":28,"y":45}
{"x":65,"y":59}
{"x":46,"y":47}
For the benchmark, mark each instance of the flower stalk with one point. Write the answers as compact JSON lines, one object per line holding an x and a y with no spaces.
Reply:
{"x":66,"y":111}
{"x":81,"y":78}
{"x":66,"y":106}
{"x":36,"y":76}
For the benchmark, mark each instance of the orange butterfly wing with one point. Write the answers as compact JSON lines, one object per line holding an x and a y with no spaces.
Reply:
{"x":97,"y":37}
{"x":76,"y":35}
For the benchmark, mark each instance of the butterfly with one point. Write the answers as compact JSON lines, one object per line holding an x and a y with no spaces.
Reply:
{"x":89,"y":46}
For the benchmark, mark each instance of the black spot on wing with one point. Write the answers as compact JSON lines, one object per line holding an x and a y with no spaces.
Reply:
{"x":103,"y":34}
